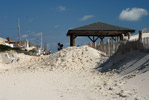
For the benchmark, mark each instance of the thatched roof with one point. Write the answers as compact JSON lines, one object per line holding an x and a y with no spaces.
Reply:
{"x":99,"y":29}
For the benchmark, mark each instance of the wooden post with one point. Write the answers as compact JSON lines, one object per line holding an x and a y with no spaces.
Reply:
{"x":94,"y":43}
{"x":102,"y":45}
{"x":98,"y":45}
{"x":122,"y":37}
{"x":140,"y":36}
{"x":72,"y":40}
{"x":117,"y":39}
{"x":111,"y":46}
{"x":108,"y":48}
{"x":129,"y":36}
{"x":104,"y":49}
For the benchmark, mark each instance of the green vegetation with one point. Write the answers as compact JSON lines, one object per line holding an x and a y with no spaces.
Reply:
{"x":4,"y":48}
{"x":32,"y":52}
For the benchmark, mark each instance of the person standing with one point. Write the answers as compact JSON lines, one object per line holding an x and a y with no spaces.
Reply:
{"x":61,"y":46}
{"x":45,"y":52}
{"x":49,"y":52}
{"x":58,"y":47}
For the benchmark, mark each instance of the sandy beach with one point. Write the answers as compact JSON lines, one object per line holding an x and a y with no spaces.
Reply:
{"x":75,"y":73}
{"x":74,"y":50}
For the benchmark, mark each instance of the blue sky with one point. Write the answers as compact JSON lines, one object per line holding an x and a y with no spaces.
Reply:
{"x":55,"y":17}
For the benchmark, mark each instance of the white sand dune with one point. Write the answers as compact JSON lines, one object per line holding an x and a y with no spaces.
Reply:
{"x":135,"y":37}
{"x":139,"y":84}
{"x":127,"y":63}
{"x":69,"y":74}
{"x":132,"y":66}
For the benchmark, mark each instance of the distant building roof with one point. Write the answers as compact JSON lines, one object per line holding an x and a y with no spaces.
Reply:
{"x":24,"y":42}
{"x":99,"y":28}
{"x":10,"y":41}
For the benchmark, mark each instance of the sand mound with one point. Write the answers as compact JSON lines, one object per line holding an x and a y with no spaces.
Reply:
{"x":131,"y":63}
{"x":82,"y":58}
{"x":130,"y":58}
{"x":15,"y":62}
{"x":71,"y":58}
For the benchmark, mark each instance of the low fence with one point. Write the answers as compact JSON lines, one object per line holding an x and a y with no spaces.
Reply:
{"x":111,"y":47}
{"x":145,"y":42}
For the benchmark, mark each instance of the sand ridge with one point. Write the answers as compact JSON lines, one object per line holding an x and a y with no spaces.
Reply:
{"x":64,"y":75}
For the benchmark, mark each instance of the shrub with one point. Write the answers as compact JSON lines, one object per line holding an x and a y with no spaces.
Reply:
{"x":5,"y":48}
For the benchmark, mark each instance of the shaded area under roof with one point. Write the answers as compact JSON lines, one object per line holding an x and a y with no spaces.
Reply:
{"x":99,"y":29}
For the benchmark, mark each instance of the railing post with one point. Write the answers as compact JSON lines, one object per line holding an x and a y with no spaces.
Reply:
{"x":108,"y":48}
{"x":129,"y":36}
{"x":122,"y":37}
{"x":140,"y":36}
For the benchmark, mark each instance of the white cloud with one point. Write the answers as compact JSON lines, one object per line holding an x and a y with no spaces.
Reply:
{"x":86,"y":17}
{"x":32,"y":34}
{"x":133,"y":14}
{"x":38,"y":34}
{"x":62,"y":8}
{"x":56,"y":26}
{"x":32,"y":39}
{"x":24,"y":36}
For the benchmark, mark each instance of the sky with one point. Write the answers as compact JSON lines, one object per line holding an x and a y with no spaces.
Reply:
{"x":53,"y":18}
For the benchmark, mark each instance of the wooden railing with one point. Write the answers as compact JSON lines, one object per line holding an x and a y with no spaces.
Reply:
{"x":110,"y":47}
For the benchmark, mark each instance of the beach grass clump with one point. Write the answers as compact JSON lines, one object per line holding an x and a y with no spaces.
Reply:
{"x":4,"y":48}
